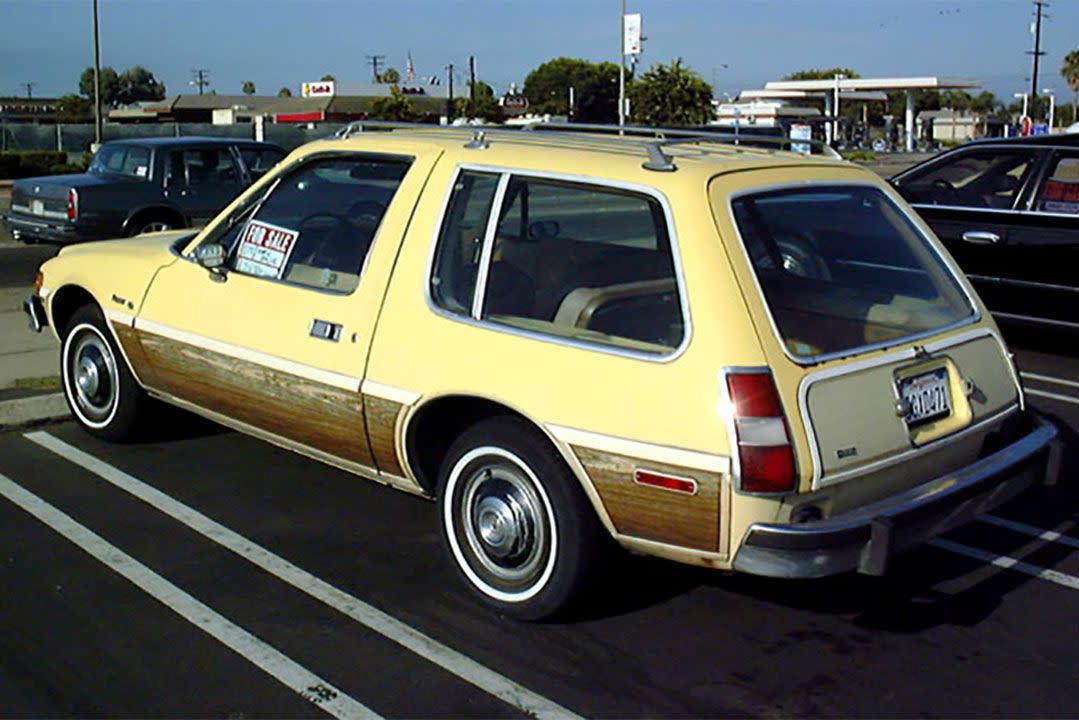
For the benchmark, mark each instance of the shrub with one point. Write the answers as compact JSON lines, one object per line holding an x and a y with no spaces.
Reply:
{"x":28,"y":163}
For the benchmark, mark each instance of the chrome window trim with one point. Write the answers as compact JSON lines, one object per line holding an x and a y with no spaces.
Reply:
{"x":479,"y":292}
{"x":1002,"y":211}
{"x":505,"y":173}
{"x":1024,"y":283}
{"x":910,"y":353}
{"x":915,"y":220}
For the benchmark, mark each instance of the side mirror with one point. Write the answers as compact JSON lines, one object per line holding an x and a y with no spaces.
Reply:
{"x":212,"y":257}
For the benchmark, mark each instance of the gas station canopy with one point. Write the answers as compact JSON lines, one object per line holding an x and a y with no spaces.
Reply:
{"x":832,"y":89}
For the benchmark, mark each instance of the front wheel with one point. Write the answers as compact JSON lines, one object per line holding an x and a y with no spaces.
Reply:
{"x":515,"y":520}
{"x":100,"y":390}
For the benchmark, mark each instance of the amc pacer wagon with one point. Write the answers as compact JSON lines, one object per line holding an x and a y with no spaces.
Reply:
{"x":734,"y":357}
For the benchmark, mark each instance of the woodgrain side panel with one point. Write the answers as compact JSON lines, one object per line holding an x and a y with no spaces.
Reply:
{"x":129,"y":343}
{"x":653,"y":513}
{"x":322,"y":416}
{"x":382,"y":416}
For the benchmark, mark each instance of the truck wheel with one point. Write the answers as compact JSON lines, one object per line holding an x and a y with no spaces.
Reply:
{"x":150,"y":224}
{"x":515,"y":521}
{"x":99,"y":388}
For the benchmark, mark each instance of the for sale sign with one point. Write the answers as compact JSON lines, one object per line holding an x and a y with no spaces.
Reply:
{"x":264,"y":249}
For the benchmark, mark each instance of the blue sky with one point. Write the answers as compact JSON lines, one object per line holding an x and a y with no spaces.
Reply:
{"x":279,"y":43}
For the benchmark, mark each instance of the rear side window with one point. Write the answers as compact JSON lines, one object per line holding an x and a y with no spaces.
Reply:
{"x":584,"y":262}
{"x":129,"y":160}
{"x":1060,"y":194}
{"x":983,"y":179}
{"x":260,"y":160}
{"x":842,"y":267}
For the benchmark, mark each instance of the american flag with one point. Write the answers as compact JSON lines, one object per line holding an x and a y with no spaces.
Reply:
{"x":410,"y":69}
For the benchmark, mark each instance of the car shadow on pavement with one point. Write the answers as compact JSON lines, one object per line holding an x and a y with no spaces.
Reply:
{"x":924,"y":588}
{"x":172,"y":423}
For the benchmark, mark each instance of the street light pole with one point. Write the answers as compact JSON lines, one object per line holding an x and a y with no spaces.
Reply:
{"x":1052,"y":106}
{"x":97,"y":79}
{"x":621,"y":66}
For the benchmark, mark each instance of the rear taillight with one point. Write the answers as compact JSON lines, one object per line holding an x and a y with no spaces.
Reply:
{"x":72,"y":204}
{"x":765,"y":456}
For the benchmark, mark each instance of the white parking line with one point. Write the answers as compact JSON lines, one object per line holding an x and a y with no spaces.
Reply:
{"x":1049,"y":379}
{"x":1010,"y":563}
{"x":1053,"y":396}
{"x":390,"y":627}
{"x":279,"y":666}
{"x":1050,"y":535}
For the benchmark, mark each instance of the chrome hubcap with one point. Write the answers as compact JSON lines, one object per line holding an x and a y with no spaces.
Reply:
{"x":93,"y":372}
{"x":503,"y":524}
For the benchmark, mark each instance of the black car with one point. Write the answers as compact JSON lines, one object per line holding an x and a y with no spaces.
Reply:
{"x":1008,"y":210}
{"x":136,"y":186}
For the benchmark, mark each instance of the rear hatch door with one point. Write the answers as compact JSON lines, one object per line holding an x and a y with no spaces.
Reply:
{"x":878,"y":345}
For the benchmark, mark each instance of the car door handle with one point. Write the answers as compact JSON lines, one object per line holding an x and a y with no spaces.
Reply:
{"x":981,"y":237}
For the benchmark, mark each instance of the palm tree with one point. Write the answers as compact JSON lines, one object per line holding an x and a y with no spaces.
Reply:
{"x":1070,"y":70}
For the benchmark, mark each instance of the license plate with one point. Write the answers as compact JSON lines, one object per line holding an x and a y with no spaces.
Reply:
{"x":37,"y":207}
{"x":927,"y":396}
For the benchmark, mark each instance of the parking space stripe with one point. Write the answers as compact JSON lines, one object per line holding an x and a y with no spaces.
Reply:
{"x":274,"y":663}
{"x":1009,"y":563}
{"x":386,"y":625}
{"x":1050,"y":535}
{"x":1053,"y":396}
{"x":1049,"y":379}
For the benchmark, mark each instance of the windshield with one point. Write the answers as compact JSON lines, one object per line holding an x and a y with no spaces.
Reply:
{"x":128,"y":160}
{"x":843,"y":267}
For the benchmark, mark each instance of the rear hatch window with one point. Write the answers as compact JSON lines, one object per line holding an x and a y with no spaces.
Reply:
{"x":842,"y":268}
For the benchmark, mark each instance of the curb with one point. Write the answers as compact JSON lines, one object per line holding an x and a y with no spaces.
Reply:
{"x":32,"y":410}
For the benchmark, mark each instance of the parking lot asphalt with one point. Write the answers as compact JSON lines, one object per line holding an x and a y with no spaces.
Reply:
{"x":208,"y":574}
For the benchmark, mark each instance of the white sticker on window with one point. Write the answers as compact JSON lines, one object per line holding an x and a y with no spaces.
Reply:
{"x":141,"y":171}
{"x":264,"y":249}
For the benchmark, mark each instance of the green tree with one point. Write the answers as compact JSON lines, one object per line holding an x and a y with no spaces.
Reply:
{"x":1069,"y":69}
{"x":958,"y":100}
{"x":985,"y":103}
{"x":670,"y":95}
{"x":74,"y":108}
{"x":595,"y":88}
{"x":391,"y":76}
{"x":248,"y":87}
{"x":327,"y":78}
{"x":395,"y":107}
{"x":819,"y":74}
{"x":284,"y":92}
{"x":110,"y":85}
{"x":138,"y":84}
{"x":484,"y":106}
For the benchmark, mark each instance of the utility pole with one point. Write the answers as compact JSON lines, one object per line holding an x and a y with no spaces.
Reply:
{"x":201,"y":79}
{"x":29,"y":89}
{"x":1037,"y":51}
{"x":472,"y":79}
{"x":97,"y":80}
{"x":375,"y":61}
{"x":449,"y":96}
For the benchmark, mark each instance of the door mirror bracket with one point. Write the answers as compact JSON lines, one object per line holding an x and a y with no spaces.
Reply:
{"x":212,"y":257}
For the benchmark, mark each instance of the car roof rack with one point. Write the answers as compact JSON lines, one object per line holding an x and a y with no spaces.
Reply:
{"x":652,"y":140}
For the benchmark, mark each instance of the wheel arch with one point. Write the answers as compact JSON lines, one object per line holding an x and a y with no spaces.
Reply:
{"x":431,"y":428}
{"x":163,"y":211}
{"x":65,"y":301}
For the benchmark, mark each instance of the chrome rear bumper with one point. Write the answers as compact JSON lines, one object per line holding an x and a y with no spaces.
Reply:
{"x":35,"y":312}
{"x":866,"y":538}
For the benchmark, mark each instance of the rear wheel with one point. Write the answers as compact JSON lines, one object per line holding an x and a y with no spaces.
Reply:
{"x":515,"y":520}
{"x":99,"y":388}
{"x":151,"y":224}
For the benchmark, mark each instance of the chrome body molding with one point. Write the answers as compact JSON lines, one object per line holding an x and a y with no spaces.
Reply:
{"x":645,"y":451}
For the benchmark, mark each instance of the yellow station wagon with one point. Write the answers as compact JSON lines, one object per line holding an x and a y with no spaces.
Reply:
{"x":729,"y":356}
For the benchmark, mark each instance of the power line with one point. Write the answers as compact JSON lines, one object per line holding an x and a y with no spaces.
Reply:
{"x":201,"y":79}
{"x":374,"y":61}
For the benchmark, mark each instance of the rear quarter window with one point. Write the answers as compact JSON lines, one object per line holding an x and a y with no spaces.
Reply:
{"x":843,"y":267}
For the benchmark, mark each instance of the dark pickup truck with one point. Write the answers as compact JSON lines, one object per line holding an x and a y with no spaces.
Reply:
{"x":137,"y":186}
